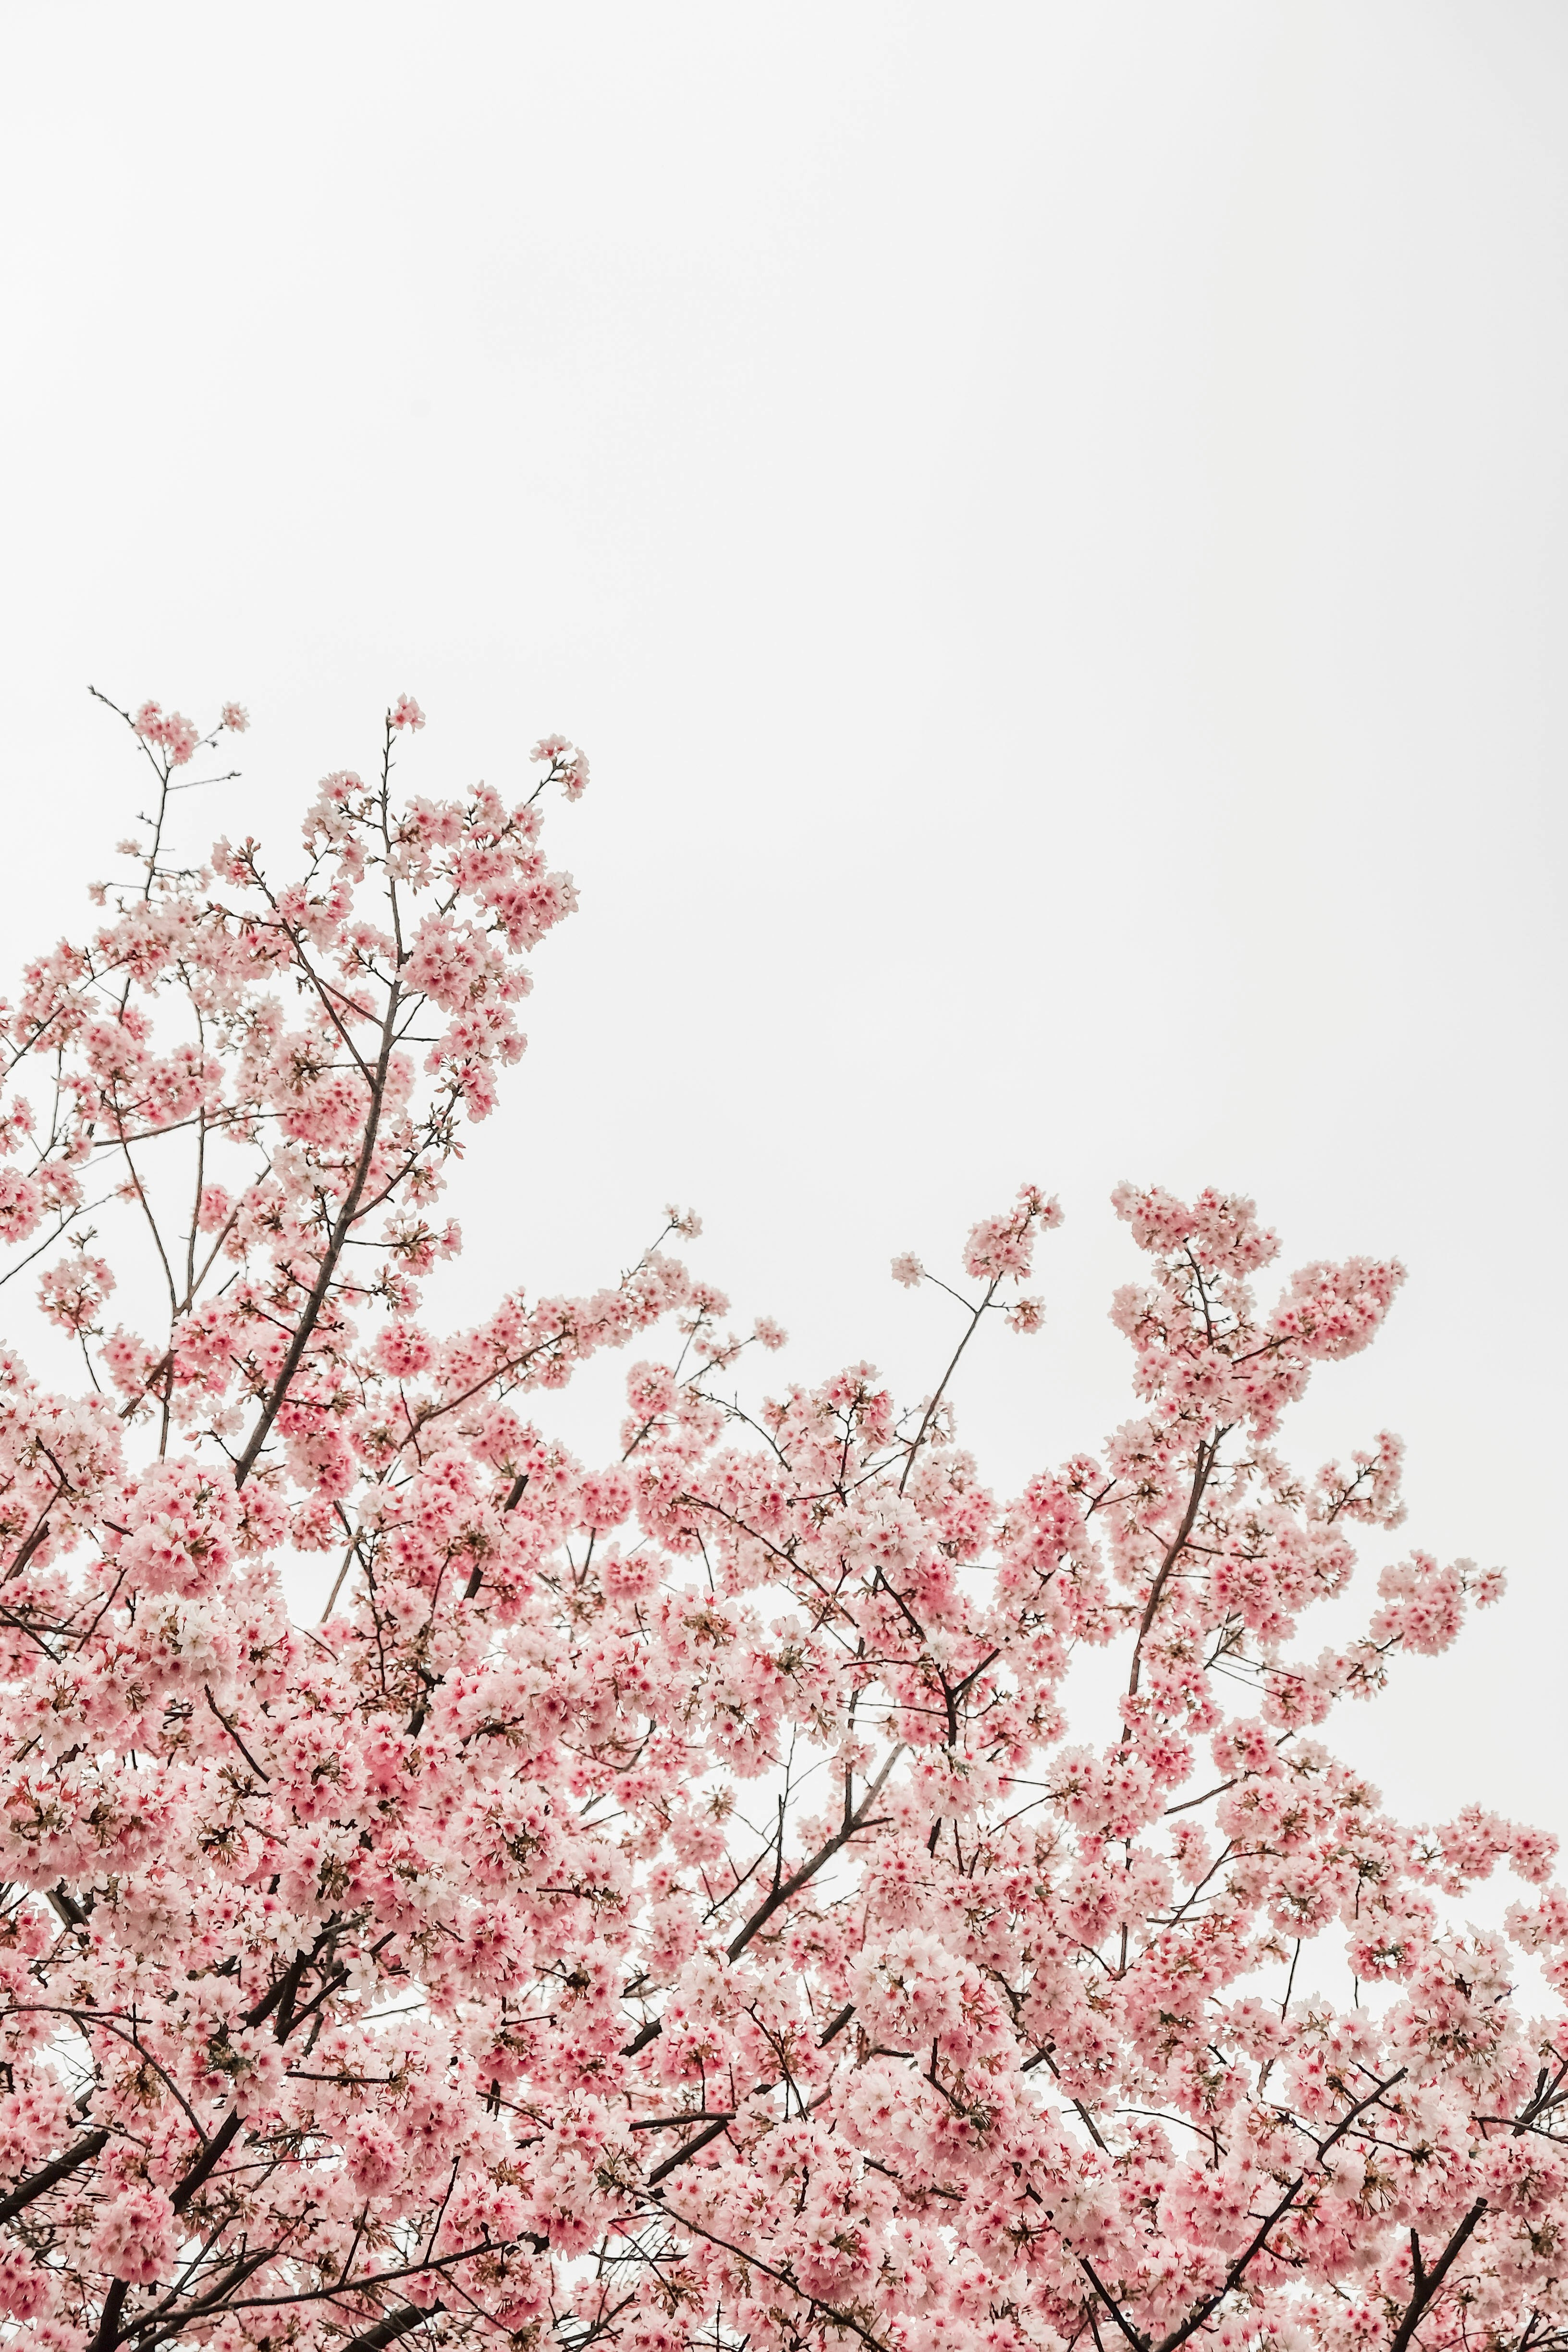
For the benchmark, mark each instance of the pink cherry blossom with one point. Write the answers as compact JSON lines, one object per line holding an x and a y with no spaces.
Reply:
{"x":172,"y":734}
{"x":134,"y":2240}
{"x":660,"y":1900}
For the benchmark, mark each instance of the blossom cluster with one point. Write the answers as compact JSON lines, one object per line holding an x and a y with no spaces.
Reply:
{"x":662,"y":1902}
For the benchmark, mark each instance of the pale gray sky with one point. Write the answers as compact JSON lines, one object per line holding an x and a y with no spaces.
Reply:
{"x":1049,"y":523}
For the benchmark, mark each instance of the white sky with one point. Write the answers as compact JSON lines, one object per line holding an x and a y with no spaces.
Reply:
{"x":1049,"y":523}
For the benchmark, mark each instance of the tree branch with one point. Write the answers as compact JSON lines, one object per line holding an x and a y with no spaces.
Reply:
{"x":39,"y":2183}
{"x":808,"y":1870}
{"x":1426,"y":2283}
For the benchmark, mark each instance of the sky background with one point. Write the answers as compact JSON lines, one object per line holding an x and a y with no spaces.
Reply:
{"x":1049,"y":521}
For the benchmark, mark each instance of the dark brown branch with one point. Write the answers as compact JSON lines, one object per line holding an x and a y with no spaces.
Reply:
{"x":1426,"y":2283}
{"x":1249,"y":2253}
{"x":234,"y":1735}
{"x":832,"y":2313}
{"x":32,"y":1543}
{"x":930,"y":1412}
{"x":1207,"y":1456}
{"x":109,"y":2318}
{"x":397,"y":2323}
{"x":672,"y":2123}
{"x":690,"y":2148}
{"x":808,"y":1870}
{"x":211,"y":2156}
{"x":39,"y":2183}
{"x":1136,"y":2336}
{"x":331,"y":1254}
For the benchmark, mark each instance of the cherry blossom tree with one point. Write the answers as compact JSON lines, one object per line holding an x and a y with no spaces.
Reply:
{"x":661,"y":1901}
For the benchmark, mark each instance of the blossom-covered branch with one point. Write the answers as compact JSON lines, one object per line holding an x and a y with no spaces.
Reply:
{"x":659,"y":1902}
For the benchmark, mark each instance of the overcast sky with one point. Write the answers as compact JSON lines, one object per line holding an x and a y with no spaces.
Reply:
{"x":1049,"y":521}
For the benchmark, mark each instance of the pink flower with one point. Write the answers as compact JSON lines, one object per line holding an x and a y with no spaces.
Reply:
{"x":214,"y":1208}
{"x":171,"y":731}
{"x":27,"y":2289}
{"x":72,"y":1292}
{"x":605,"y":1498}
{"x":21,"y":1204}
{"x":406,"y":712}
{"x":565,"y":761}
{"x":442,"y":1871}
{"x":236,"y":718}
{"x":403,"y":1350}
{"x":134,"y":2238}
{"x":994,"y":1249}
